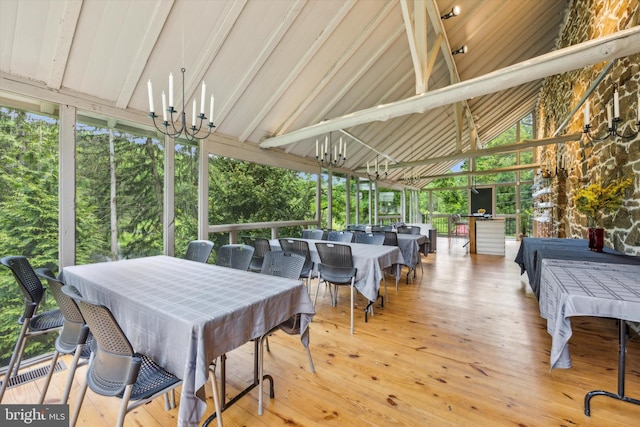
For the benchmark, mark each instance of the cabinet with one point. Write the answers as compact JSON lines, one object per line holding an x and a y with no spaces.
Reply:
{"x":543,"y":205}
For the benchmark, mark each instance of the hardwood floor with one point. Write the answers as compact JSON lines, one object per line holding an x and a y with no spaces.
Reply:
{"x":464,"y":345}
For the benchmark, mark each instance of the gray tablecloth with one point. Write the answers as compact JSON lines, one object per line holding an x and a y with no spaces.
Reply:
{"x":533,"y":250}
{"x":578,"y":288}
{"x":370,"y":260}
{"x":184,"y":314}
{"x":410,"y":247}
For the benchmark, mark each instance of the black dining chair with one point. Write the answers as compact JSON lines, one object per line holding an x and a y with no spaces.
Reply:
{"x":237,"y":256}
{"x":199,"y":250}
{"x":370,"y":238}
{"x":336,"y":268}
{"x":340,"y":236}
{"x":32,"y":324}
{"x":75,"y":337}
{"x":261,"y":246}
{"x":115,"y":369}
{"x":301,"y":247}
{"x":312,"y":234}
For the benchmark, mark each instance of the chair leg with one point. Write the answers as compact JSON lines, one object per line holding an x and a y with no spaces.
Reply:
{"x":72,"y":372}
{"x":47,"y":381}
{"x":352,"y":280}
{"x":76,"y":413}
{"x":123,"y":405}
{"x":266,"y":339}
{"x":216,"y":396}
{"x":14,"y":357}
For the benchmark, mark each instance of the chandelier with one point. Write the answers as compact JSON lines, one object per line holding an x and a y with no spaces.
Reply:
{"x":177,"y":127}
{"x":411,"y":178}
{"x":376,"y":173}
{"x":329,"y":154}
{"x":612,"y":121}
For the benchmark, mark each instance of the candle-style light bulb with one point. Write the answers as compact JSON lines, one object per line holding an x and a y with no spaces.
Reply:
{"x":170,"y":90}
{"x":211,"y":110}
{"x":609,"y":119}
{"x":204,"y":89}
{"x":193,"y":113}
{"x":316,"y":148}
{"x":164,"y":107}
{"x":150,"y":90}
{"x":586,"y":114}
{"x":616,"y":105}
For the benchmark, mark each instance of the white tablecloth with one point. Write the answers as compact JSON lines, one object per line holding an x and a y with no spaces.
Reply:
{"x":184,"y":314}
{"x":370,"y":260}
{"x":579,"y":288}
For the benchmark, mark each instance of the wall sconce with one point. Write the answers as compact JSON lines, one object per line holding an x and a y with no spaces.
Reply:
{"x":455,"y":11}
{"x":612,"y":122}
{"x":462,"y":49}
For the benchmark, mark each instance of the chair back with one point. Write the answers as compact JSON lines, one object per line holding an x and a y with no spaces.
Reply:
{"x":312,"y":234}
{"x":28,"y":281}
{"x":74,"y":331}
{"x":261,"y":246}
{"x":283,"y":264}
{"x":390,"y":238}
{"x":340,"y":236}
{"x":370,"y":238}
{"x":113,"y":365}
{"x":199,"y":250}
{"x":301,"y":247}
{"x":336,"y":263}
{"x":408,"y":229}
{"x":236,"y":256}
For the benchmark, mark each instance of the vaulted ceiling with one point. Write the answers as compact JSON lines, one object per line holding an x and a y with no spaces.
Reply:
{"x":278,"y":66}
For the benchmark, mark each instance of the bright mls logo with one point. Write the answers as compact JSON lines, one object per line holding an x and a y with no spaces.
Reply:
{"x":34,"y":415}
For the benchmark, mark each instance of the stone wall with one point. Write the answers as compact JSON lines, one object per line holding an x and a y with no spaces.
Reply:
{"x":587,"y":161}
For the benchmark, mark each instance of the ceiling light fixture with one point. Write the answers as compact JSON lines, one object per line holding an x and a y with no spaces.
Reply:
{"x":376,"y":173}
{"x":462,"y":49}
{"x":455,"y":11}
{"x":330,"y":155}
{"x":173,"y":130}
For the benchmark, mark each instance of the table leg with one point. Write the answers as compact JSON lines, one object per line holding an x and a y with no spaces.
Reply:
{"x":622,"y":347}
{"x":256,"y":376}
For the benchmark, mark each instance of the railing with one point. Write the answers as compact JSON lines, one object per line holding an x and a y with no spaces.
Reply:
{"x":273,"y":226}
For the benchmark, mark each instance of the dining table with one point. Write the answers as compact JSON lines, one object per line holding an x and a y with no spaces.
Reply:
{"x":185,"y":314}
{"x":535,"y":249}
{"x":581,"y":288}
{"x":411,"y":245}
{"x":369,"y":260}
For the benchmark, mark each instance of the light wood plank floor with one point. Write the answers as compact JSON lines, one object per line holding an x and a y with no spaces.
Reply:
{"x":463,"y":345}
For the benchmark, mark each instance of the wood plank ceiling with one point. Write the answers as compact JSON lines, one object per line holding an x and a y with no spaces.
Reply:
{"x":276,"y":66}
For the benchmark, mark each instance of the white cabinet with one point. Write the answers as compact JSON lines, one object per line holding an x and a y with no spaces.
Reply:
{"x":490,"y":237}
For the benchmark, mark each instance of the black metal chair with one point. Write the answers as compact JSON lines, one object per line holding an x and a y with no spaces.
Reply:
{"x":336,"y":267}
{"x":301,"y":247}
{"x":199,"y":250}
{"x":32,"y":324}
{"x":340,"y":236}
{"x":370,"y":238}
{"x":114,"y":368}
{"x":261,"y":246}
{"x":236,"y":256}
{"x":75,"y":337}
{"x":312,"y":234}
{"x":391,"y":239}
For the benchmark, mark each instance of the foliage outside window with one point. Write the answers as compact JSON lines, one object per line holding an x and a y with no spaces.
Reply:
{"x":29,"y":220}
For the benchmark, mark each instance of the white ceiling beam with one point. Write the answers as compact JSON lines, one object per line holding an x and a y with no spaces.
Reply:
{"x":295,"y":71}
{"x":522,"y":145}
{"x":616,"y":45}
{"x":67,"y":26}
{"x":157,"y":18}
{"x":483,"y":172}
